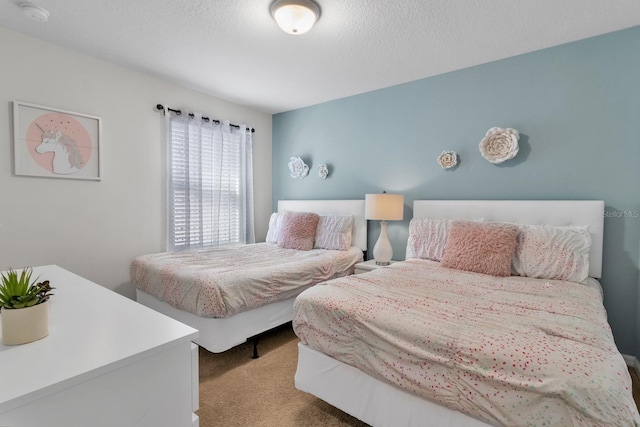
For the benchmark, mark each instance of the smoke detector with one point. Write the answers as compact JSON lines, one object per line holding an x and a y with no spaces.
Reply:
{"x":35,"y":12}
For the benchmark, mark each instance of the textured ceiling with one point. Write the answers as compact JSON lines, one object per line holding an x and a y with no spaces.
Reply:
{"x":232,"y":49}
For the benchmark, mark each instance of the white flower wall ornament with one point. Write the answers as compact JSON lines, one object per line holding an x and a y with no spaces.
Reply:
{"x":448,"y":159}
{"x":499,"y":145}
{"x":323,"y":171}
{"x":298,"y":168}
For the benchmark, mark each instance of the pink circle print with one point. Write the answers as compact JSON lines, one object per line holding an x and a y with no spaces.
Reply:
{"x":57,"y":134}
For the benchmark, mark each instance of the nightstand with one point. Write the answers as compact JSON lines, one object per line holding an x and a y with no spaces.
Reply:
{"x":363,"y":267}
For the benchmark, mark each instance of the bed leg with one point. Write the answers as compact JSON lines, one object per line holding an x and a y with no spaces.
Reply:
{"x":255,"y":348}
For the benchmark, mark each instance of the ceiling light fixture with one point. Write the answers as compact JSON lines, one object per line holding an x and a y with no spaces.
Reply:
{"x":35,"y":12}
{"x":295,"y":16}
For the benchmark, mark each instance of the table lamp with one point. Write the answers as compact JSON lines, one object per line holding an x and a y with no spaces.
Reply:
{"x":383,"y":207}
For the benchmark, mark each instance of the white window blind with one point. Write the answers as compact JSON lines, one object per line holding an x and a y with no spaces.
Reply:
{"x":210,"y":183}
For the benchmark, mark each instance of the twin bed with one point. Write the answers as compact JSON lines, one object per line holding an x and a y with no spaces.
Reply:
{"x":231,"y":294}
{"x":418,"y":344}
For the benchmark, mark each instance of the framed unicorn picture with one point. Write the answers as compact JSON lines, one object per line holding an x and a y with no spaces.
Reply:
{"x":53,"y":143}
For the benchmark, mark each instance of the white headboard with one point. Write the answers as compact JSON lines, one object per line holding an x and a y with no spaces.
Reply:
{"x":355,"y":207}
{"x":537,"y":212}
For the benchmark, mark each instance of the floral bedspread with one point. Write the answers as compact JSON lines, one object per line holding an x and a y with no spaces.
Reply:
{"x":224,"y":281}
{"x":509,"y":351}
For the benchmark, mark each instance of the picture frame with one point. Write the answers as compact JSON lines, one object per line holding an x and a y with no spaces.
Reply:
{"x":54,"y":143}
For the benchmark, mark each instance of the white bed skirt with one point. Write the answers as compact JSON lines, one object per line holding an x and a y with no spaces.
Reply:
{"x":221,"y":334}
{"x":368,"y":399}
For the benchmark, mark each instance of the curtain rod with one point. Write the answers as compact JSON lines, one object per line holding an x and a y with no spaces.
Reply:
{"x":206,"y":119}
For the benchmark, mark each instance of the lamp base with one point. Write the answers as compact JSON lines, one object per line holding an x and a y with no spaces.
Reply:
{"x":382,"y":251}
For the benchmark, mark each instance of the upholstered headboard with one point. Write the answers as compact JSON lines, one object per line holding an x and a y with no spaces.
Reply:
{"x":354,"y":207}
{"x":537,"y":212}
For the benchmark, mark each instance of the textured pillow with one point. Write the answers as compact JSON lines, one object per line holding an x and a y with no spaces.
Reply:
{"x":485,"y":248}
{"x":298,"y":230}
{"x":548,"y":252}
{"x":334,"y":232}
{"x":275,"y":222}
{"x":427,"y":238}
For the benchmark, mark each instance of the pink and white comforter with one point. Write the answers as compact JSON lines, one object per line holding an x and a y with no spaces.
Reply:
{"x":224,"y":281}
{"x":510,"y":351}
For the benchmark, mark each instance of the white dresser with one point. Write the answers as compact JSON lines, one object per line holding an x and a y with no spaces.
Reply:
{"x":108,"y":361}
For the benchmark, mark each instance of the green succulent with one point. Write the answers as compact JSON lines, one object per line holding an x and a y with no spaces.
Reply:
{"x":19,"y":291}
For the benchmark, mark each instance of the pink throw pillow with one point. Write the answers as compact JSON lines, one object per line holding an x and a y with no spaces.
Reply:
{"x":485,"y":248}
{"x":298,"y":230}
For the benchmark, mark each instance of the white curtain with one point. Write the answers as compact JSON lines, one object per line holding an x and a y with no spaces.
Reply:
{"x":210,"y":183}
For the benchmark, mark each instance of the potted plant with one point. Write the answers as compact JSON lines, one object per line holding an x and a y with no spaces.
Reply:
{"x":24,"y":307}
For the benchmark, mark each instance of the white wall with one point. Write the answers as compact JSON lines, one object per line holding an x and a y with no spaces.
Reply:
{"x":94,"y":228}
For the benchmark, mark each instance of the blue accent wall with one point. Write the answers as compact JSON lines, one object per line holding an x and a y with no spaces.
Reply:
{"x":576,"y":106}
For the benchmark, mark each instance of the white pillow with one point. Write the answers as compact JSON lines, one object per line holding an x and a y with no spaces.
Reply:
{"x":334,"y":232}
{"x":275,"y":222}
{"x":427,"y":238}
{"x":554,"y":253}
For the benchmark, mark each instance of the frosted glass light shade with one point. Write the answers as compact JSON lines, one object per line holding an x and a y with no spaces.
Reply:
{"x":295,"y":16}
{"x":384,"y":207}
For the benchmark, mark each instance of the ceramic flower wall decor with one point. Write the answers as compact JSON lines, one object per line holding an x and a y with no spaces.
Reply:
{"x":499,"y":144}
{"x":323,"y":171}
{"x":298,"y":168}
{"x":448,"y":159}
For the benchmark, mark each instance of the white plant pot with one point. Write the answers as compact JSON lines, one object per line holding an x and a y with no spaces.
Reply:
{"x":23,"y":325}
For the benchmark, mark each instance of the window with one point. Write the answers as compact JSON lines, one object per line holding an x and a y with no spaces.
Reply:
{"x":210,"y":183}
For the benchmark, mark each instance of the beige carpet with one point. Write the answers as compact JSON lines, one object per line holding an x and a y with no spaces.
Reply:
{"x":236,"y":390}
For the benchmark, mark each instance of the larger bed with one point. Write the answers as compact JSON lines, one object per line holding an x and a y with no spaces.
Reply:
{"x":419,"y":344}
{"x":231,"y":294}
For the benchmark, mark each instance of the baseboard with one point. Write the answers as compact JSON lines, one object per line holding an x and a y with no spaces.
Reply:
{"x":633,"y":362}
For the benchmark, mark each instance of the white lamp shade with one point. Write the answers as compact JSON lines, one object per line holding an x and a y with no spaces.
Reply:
{"x":384,"y":207}
{"x":295,"y":16}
